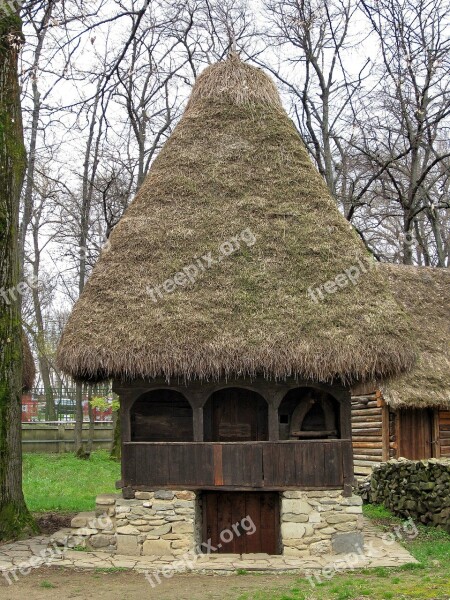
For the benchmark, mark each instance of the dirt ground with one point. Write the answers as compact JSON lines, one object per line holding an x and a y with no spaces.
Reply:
{"x":71,"y":584}
{"x":51,"y":522}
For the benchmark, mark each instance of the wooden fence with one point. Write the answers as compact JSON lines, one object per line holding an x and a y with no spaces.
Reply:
{"x":54,"y":437}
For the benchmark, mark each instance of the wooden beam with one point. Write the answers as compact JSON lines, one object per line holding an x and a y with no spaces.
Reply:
{"x":198,"y":424}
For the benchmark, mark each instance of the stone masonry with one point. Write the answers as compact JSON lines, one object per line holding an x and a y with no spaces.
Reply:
{"x":320,"y":522}
{"x":159,"y":523}
{"x":167,"y":523}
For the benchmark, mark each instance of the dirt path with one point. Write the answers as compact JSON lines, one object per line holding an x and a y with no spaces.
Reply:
{"x":74,"y":584}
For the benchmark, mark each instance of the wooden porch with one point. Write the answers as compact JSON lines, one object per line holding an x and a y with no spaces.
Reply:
{"x":261,"y":465}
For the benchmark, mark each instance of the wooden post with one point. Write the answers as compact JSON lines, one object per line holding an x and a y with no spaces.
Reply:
{"x":61,"y":433}
{"x":274,"y":429}
{"x":198,"y":423}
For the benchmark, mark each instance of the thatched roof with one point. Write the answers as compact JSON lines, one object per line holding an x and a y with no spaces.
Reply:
{"x":425,"y":294}
{"x":234,"y":163}
{"x":28,"y":366}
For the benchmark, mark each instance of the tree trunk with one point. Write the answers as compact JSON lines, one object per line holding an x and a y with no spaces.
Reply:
{"x":90,"y":443}
{"x":408,"y":239}
{"x":14,"y":516}
{"x":78,"y":432}
{"x":44,"y":365}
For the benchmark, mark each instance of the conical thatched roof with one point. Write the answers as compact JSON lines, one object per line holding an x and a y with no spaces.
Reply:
{"x":425,"y":294}
{"x":28,"y":366}
{"x":235,"y":163}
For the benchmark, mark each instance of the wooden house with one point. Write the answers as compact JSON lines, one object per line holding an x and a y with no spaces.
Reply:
{"x":409,"y":416}
{"x":233,"y":308}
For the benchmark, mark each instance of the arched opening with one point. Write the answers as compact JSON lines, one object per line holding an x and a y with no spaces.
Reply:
{"x":309,"y":413}
{"x":161,"y":416}
{"x":235,"y":415}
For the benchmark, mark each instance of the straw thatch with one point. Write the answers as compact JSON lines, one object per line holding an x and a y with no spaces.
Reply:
{"x":234,"y":162}
{"x":425,"y":294}
{"x":28,"y":366}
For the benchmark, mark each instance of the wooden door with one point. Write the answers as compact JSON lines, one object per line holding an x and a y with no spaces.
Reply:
{"x":415,"y":434}
{"x":241,"y":522}
{"x":236,"y":415}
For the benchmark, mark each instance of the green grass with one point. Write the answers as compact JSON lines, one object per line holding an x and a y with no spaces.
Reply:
{"x":61,"y":482}
{"x":377,"y":511}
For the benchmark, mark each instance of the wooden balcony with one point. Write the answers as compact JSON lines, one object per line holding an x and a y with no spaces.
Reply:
{"x":305,"y":464}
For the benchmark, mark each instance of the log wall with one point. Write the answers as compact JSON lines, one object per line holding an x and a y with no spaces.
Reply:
{"x":369,"y":438}
{"x":444,"y":432}
{"x":375,"y":431}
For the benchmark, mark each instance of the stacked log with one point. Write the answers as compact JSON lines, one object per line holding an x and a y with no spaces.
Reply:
{"x":444,"y":432}
{"x":367,"y":432}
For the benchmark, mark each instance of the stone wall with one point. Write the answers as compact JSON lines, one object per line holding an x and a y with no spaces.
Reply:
{"x":168,"y":523}
{"x":320,"y":522}
{"x":159,"y":523}
{"x":416,"y":489}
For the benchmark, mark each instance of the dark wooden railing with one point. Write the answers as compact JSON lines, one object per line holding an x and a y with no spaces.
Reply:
{"x":312,"y":464}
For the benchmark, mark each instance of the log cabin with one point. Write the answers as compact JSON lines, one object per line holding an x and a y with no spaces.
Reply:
{"x":232,"y":308}
{"x":409,"y":416}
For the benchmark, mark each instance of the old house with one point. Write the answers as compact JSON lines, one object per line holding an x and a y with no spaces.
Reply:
{"x":233,"y":308}
{"x":409,"y":415}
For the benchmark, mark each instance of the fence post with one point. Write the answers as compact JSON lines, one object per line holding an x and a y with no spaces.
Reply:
{"x":61,"y":437}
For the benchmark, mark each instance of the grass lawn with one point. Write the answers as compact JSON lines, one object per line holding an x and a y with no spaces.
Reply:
{"x":61,"y":482}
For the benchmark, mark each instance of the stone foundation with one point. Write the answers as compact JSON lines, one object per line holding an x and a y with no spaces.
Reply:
{"x":159,"y":523}
{"x":320,"y":522}
{"x":168,"y":523}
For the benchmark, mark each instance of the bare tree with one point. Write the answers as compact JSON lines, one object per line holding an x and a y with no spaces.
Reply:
{"x":313,"y":40}
{"x":408,"y":115}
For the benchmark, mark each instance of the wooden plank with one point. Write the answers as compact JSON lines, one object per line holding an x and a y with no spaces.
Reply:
{"x":369,"y":431}
{"x":368,"y":438}
{"x":270,"y":523}
{"x":224,"y":520}
{"x":366,"y":411}
{"x":204,"y":456}
{"x":333,"y":464}
{"x":366,"y":463}
{"x":218,"y":466}
{"x":363,"y":457}
{"x":445,"y":451}
{"x":287,"y":465}
{"x":364,"y":405}
{"x":252,"y":543}
{"x":385,"y":432}
{"x":368,"y":445}
{"x":356,"y":420}
{"x":436,"y":447}
{"x":311,"y":464}
{"x":347,"y":468}
{"x":363,"y":471}
{"x":370,"y":452}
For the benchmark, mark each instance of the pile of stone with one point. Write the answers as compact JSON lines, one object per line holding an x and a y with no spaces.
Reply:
{"x":416,"y":489}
